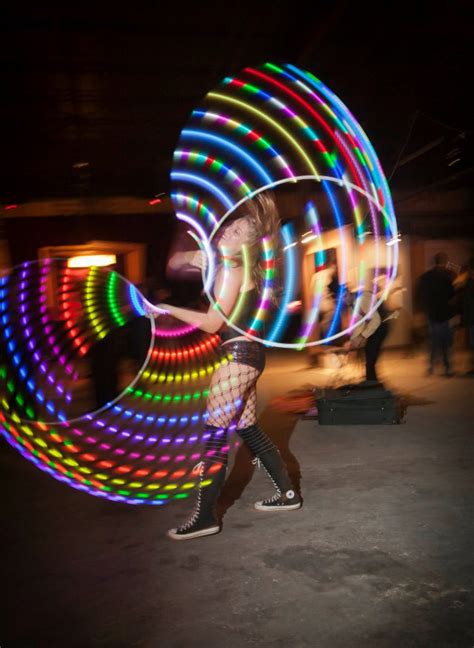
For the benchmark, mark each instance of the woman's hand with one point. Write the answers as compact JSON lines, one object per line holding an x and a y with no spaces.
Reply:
{"x":154,"y":311}
{"x":164,"y":308}
{"x":198,"y":259}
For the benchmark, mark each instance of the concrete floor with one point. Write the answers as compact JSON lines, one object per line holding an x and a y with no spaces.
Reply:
{"x":381,"y":555}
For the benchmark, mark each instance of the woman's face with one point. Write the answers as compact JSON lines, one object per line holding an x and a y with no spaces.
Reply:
{"x":235,"y":235}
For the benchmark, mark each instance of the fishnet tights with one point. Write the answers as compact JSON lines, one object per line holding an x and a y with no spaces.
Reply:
{"x":233,"y":399}
{"x":232,"y":396}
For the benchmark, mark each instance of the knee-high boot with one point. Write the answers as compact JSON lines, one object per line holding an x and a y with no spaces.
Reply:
{"x":265,"y":452}
{"x":211,"y":470}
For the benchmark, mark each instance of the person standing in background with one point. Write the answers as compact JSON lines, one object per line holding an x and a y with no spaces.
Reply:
{"x":468,"y":313}
{"x":371,"y":333}
{"x":435,"y":294}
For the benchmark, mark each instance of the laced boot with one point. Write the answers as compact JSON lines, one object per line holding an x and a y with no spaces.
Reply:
{"x":266,"y":453}
{"x":285,"y":497}
{"x":204,"y":520}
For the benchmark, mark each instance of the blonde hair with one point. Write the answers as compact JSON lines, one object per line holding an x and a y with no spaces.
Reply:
{"x":262,"y":215}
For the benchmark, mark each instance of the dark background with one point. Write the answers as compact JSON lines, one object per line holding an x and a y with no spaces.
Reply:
{"x":113,"y":86}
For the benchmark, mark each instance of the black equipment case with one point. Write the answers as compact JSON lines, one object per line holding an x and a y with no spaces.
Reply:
{"x":359,"y":405}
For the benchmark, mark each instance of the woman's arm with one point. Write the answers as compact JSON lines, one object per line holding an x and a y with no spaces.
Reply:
{"x":196,"y":258}
{"x":179,"y":259}
{"x":227,"y":287}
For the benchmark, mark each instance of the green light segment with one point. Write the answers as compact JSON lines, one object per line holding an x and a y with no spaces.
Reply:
{"x":263,"y":144}
{"x":274,"y":68}
{"x":113,"y":300}
{"x":330,"y":159}
{"x":251,"y":88}
{"x":360,"y":157}
{"x":90,"y":303}
{"x":311,"y":76}
{"x":216,"y":166}
{"x":168,"y":398}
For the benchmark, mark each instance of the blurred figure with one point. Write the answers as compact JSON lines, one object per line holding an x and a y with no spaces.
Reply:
{"x":371,"y":333}
{"x":137,"y":331}
{"x":327,"y":279}
{"x":104,"y":356}
{"x":128,"y":342}
{"x":468,"y":312}
{"x":435,"y":294}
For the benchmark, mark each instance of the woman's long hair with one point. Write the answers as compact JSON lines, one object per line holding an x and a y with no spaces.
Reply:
{"x":262,"y":215}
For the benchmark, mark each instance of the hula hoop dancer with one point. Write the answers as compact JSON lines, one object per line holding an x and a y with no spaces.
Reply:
{"x":232,"y":398}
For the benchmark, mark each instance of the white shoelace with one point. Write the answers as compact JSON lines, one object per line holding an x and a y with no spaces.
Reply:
{"x":257,"y":462}
{"x":275,"y":498}
{"x":197,"y":470}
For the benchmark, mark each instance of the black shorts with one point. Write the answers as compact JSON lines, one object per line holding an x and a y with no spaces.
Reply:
{"x":246,"y":353}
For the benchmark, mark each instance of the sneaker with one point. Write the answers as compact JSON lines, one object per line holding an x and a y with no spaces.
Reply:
{"x":203,"y":521}
{"x":193,"y":530}
{"x":289,"y":501}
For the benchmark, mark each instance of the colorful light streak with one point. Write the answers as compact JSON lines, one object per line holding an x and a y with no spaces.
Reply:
{"x":280,"y":125}
{"x":198,"y":135}
{"x":77,"y":451}
{"x":311,"y":316}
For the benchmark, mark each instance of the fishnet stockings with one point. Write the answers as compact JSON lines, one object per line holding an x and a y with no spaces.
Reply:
{"x":233,"y":399}
{"x":249,"y":413}
{"x":232,"y":396}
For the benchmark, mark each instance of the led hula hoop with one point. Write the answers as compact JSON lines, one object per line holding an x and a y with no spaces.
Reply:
{"x":272,"y":126}
{"x":140,"y":448}
{"x":269,"y":127}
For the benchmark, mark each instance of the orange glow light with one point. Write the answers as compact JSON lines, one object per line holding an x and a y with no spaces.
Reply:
{"x":89,"y":260}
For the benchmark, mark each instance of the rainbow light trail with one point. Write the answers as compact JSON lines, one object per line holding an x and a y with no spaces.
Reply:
{"x":269,"y":127}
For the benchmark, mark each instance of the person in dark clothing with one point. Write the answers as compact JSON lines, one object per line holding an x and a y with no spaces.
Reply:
{"x":104,"y":356}
{"x":370,"y":334}
{"x":373,"y":346}
{"x":435,"y":293}
{"x":468,"y":312}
